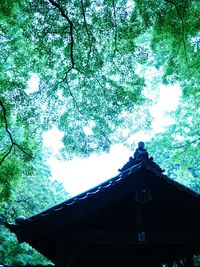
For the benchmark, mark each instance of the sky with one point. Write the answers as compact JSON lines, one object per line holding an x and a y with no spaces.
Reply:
{"x":79,"y":175}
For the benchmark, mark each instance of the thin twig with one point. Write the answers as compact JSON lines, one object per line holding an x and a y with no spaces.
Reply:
{"x":87,"y":30}
{"x":5,"y":156}
{"x":64,"y":15}
{"x":115,"y":24}
{"x":13,"y":143}
{"x":188,"y":144}
{"x":182,"y":28}
{"x":73,"y":97}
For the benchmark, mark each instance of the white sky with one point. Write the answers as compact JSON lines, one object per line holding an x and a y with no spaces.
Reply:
{"x":79,"y":175}
{"x":33,"y":83}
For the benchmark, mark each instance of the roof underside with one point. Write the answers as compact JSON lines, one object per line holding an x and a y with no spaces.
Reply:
{"x":111,"y":216}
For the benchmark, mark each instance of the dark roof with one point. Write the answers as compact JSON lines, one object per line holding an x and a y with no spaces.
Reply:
{"x":27,"y":265}
{"x":111,"y":213}
{"x":73,"y":202}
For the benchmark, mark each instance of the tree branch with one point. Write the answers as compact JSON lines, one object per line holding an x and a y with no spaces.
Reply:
{"x":64,"y":15}
{"x":13,"y":143}
{"x":71,"y":94}
{"x":87,"y":30}
{"x":182,"y":28}
{"x":115,"y":24}
{"x":64,"y":79}
{"x":5,"y":156}
{"x":188,"y":144}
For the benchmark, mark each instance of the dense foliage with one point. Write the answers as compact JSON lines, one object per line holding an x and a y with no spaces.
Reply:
{"x":35,"y":193}
{"x":86,"y":56}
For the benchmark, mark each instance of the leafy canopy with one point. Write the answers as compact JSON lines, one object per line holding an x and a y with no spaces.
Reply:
{"x":35,"y":192}
{"x":86,"y":55}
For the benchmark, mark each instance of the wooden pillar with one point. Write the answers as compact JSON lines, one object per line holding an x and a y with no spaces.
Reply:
{"x":60,"y":254}
{"x":170,"y":263}
{"x":139,"y":223}
{"x":76,"y":256}
{"x":179,"y":263}
{"x":189,"y":261}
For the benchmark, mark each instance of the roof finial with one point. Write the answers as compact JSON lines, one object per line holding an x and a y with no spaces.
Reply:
{"x":140,"y":153}
{"x":139,"y":156}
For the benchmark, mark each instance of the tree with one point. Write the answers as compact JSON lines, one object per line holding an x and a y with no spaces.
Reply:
{"x":36,"y":192}
{"x":180,"y":144}
{"x":86,"y":54}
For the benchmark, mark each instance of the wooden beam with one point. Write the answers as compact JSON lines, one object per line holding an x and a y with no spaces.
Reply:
{"x":129,"y":236}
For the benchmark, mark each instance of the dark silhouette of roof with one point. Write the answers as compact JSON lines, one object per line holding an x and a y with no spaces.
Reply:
{"x":167,"y":206}
{"x":133,"y":165}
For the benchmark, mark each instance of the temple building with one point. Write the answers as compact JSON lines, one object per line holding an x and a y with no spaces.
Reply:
{"x":139,"y":218}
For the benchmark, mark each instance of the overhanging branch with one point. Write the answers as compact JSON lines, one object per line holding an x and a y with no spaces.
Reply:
{"x":13,"y":143}
{"x":87,"y":30}
{"x":72,"y":96}
{"x":115,"y":24}
{"x":187,"y":144}
{"x":182,"y":28}
{"x":64,"y":15}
